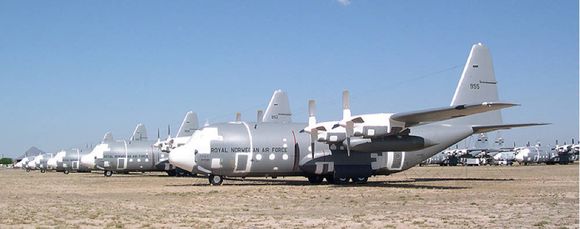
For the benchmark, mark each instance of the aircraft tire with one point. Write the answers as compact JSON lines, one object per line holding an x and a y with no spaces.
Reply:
{"x":66,"y":171}
{"x":360,"y":180}
{"x":341,"y":180}
{"x":216,"y":179}
{"x":27,"y":170}
{"x":42,"y":171}
{"x":171,"y":173}
{"x":108,"y":173}
{"x":329,"y":179}
{"x":315,"y":179}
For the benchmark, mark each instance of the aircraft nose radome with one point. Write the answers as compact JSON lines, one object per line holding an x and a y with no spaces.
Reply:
{"x":182,"y":158}
{"x":519,"y":157}
{"x":88,"y":161}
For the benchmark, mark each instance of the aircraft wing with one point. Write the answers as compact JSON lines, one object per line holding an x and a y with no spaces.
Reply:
{"x":483,"y":129}
{"x":440,"y":114}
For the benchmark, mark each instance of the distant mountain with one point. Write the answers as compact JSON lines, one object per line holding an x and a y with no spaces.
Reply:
{"x":33,"y":151}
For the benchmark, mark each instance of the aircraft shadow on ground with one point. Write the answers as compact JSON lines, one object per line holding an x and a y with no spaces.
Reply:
{"x":408,"y":183}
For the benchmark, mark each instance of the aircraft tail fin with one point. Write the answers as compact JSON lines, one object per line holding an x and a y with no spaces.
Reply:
{"x":278,"y":109}
{"x":108,"y":137}
{"x":477,"y":85}
{"x":140,"y":133}
{"x":188,"y":126}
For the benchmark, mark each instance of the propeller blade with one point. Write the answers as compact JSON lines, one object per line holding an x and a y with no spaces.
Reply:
{"x":349,"y":132}
{"x":238,"y":117}
{"x":313,"y":139}
{"x":345,"y":105}
{"x":348,"y":146}
{"x":158,"y":137}
{"x":311,"y":112}
{"x":260,"y":116}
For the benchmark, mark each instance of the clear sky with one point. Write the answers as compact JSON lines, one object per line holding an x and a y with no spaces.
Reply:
{"x":72,"y":70}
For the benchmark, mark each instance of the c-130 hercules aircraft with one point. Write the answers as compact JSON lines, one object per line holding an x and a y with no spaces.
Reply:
{"x":353,"y":148}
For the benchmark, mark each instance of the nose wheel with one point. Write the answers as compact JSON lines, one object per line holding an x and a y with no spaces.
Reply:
{"x":108,"y":173}
{"x":216,"y":179}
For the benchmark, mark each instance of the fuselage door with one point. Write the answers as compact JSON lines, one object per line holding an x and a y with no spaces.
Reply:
{"x":121,"y":163}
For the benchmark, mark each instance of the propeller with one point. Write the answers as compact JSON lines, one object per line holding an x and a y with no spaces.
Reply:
{"x":347,"y":121}
{"x":260,"y":116}
{"x":312,"y":129}
{"x":158,"y":143}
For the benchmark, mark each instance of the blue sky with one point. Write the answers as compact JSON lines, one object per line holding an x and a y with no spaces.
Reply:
{"x":72,"y":70}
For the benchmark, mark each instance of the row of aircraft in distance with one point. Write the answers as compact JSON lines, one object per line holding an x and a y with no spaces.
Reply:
{"x":500,"y":155}
{"x":349,"y":150}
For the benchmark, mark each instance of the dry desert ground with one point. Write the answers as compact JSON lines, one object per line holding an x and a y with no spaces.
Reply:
{"x":442,"y":197}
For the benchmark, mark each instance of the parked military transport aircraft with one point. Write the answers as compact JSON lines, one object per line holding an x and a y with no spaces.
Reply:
{"x":355,"y":147}
{"x":39,"y":162}
{"x":122,"y":156}
{"x":67,"y":161}
{"x":188,"y":126}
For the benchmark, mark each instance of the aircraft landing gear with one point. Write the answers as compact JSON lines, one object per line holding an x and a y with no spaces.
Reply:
{"x":171,"y":173}
{"x":315,"y":179}
{"x":66,"y":172}
{"x":43,"y":171}
{"x":341,"y":180}
{"x":27,"y":170}
{"x":108,"y":173}
{"x":216,"y":179}
{"x":360,"y":180}
{"x":329,"y":179}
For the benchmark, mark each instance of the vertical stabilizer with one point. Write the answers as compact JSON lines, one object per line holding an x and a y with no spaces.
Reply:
{"x":477,"y":85}
{"x":279,"y":109}
{"x":188,"y":126}
{"x":140,"y":133}
{"x":108,"y":137}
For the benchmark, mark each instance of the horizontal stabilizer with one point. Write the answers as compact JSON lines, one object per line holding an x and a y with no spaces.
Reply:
{"x":440,"y":114}
{"x":483,"y":129}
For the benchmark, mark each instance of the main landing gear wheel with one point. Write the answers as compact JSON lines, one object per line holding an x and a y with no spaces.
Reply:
{"x":341,"y":180}
{"x":66,"y":172}
{"x":108,"y":173}
{"x":315,"y":179}
{"x":360,"y":180}
{"x":43,"y":171}
{"x":171,"y":173}
{"x":27,"y":170}
{"x":216,"y":180}
{"x":329,"y":179}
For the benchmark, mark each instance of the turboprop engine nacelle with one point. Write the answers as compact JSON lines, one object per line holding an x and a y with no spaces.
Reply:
{"x":373,"y":126}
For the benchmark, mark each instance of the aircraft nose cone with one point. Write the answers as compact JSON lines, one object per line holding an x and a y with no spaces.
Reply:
{"x":520,"y":157}
{"x":182,"y":158}
{"x":88,"y":161}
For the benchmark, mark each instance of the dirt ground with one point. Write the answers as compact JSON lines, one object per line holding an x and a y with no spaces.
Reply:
{"x":450,"y":197}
